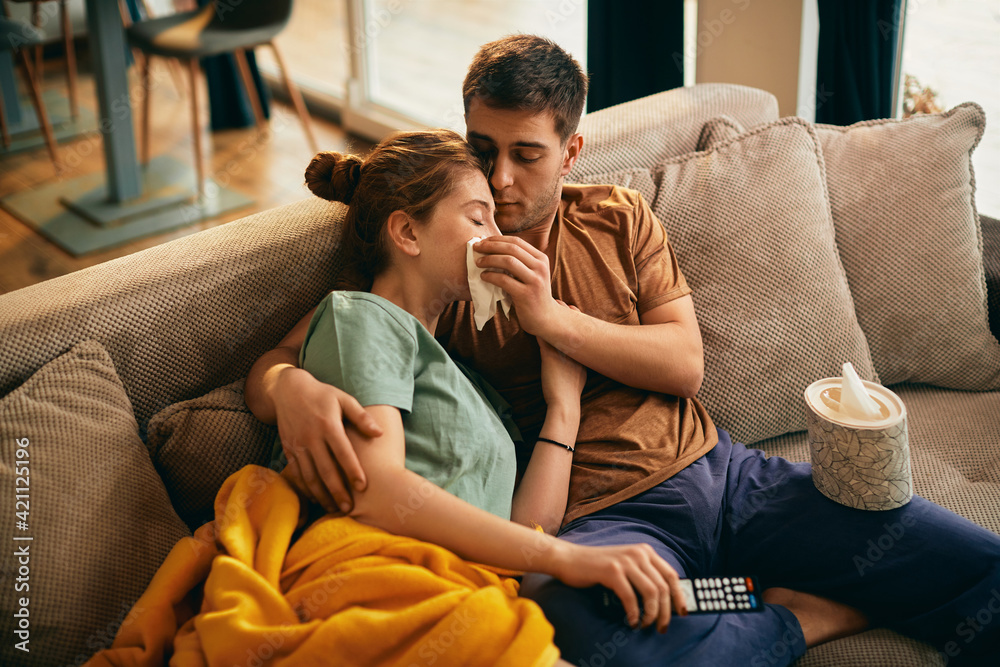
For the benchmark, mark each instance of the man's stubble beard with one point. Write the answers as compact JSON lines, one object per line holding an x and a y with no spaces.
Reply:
{"x":541,"y":212}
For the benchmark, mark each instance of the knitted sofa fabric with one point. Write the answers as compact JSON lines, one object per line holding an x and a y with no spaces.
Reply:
{"x":903,"y":200}
{"x":96,"y":515}
{"x":182,"y":318}
{"x":644,"y":132}
{"x":750,"y":223}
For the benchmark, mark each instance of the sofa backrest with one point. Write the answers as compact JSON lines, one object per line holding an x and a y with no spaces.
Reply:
{"x":645,"y":132}
{"x":184,"y":317}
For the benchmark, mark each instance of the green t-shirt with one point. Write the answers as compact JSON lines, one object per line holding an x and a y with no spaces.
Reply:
{"x":456,"y":435}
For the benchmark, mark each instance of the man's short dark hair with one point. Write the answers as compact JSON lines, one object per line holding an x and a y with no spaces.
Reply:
{"x":528,"y":73}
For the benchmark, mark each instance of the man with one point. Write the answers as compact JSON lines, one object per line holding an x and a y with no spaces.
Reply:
{"x":649,"y":464}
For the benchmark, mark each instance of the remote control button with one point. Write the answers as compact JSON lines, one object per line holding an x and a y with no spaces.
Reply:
{"x":739,"y":589}
{"x":725,"y":581}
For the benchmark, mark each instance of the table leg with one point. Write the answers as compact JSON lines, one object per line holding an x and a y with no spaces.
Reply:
{"x":107,"y":44}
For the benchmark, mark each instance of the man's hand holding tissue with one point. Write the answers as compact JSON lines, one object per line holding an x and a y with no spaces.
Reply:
{"x":522,"y":271}
{"x":664,"y":354}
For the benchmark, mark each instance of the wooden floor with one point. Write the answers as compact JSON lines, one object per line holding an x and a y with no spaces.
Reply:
{"x":267,"y":167}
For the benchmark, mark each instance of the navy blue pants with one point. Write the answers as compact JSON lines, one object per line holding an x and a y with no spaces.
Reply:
{"x":920,"y":570}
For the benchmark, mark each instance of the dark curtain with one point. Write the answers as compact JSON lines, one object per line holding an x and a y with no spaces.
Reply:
{"x":857,"y":55}
{"x":634,"y":49}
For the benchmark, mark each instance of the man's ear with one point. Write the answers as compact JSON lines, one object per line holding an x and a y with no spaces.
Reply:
{"x":573,"y":147}
{"x":401,"y":229}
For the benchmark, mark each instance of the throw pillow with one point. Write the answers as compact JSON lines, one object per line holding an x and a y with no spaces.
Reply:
{"x":97,"y":515}
{"x":634,"y":179}
{"x":197,"y":444}
{"x":750,"y":222}
{"x":718,"y":130}
{"x":902,"y":193}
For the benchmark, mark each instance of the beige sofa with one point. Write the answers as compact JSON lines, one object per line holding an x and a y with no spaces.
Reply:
{"x":122,"y":405}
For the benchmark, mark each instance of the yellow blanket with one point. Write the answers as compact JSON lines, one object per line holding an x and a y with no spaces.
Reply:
{"x":238,"y":592}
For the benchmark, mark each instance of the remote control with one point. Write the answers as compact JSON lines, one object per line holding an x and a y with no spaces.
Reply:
{"x":714,"y":595}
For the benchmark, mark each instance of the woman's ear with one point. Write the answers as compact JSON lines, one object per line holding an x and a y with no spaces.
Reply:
{"x":401,"y":228}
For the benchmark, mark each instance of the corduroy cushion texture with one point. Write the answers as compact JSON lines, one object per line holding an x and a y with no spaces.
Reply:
{"x":644,"y":132}
{"x":902,"y":194}
{"x":750,"y":222}
{"x":98,"y":514}
{"x":196,"y":444}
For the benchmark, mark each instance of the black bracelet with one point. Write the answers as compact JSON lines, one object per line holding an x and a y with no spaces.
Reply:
{"x":553,"y":442}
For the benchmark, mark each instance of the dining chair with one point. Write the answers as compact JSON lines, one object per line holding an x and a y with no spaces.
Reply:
{"x":216,"y":28}
{"x":67,"y":36}
{"x":16,"y":36}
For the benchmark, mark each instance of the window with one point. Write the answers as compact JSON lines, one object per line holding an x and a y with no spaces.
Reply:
{"x":394,"y":64}
{"x":953,"y":47}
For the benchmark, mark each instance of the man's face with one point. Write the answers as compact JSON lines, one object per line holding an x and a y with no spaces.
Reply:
{"x":529,"y":162}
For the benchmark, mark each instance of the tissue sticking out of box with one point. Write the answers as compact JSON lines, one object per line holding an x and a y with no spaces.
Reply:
{"x":484,"y":294}
{"x":860,"y":456}
{"x":855,"y":401}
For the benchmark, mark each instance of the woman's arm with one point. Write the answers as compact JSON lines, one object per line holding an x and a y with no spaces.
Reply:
{"x":402,"y":502}
{"x":544,"y":490}
{"x":541,"y":497}
{"x":310,"y":416}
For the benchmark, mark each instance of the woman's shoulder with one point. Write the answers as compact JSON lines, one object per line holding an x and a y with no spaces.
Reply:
{"x":364,"y":309}
{"x":361,"y":321}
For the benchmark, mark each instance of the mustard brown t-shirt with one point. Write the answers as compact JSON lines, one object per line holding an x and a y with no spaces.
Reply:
{"x":613,"y":261}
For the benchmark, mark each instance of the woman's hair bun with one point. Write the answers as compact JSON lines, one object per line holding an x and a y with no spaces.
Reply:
{"x":334,"y":176}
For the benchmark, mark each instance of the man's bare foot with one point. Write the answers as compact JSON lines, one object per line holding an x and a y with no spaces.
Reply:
{"x":822,"y":619}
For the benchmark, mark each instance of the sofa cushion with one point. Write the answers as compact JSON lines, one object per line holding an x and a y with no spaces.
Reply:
{"x":644,"y":132}
{"x":718,"y":130}
{"x":750,"y":222}
{"x":196,"y":444}
{"x":902,"y":193}
{"x":953,"y":438}
{"x":97,"y":513}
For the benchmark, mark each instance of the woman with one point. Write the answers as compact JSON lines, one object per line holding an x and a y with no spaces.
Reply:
{"x":442,"y":472}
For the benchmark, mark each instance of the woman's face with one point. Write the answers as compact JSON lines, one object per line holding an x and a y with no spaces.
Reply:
{"x":467,"y":212}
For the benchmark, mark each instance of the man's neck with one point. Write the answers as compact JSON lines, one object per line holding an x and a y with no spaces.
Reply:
{"x":539,"y":234}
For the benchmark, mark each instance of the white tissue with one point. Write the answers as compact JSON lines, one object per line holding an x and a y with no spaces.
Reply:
{"x":855,"y":401}
{"x":484,"y":295}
